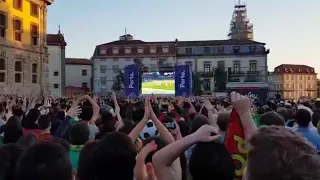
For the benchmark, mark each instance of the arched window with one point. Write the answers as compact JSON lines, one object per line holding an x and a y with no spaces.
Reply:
{"x":3,"y":70}
{"x":18,"y":71}
{"x":34,"y":73}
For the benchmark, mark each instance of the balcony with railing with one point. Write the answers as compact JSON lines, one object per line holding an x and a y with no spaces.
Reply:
{"x":205,"y":74}
{"x":256,"y":75}
{"x":248,"y":76}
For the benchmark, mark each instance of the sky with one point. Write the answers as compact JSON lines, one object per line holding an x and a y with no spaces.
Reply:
{"x":290,"y":28}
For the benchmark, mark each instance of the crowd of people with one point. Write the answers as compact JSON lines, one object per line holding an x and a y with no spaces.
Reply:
{"x":155,"y":138}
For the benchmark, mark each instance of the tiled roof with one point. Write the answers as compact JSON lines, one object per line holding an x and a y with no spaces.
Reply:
{"x":217,"y":42}
{"x":294,"y":68}
{"x":124,"y":42}
{"x":78,"y":61}
{"x":135,"y":42}
{"x":56,"y":40}
{"x":121,"y":45}
{"x":186,"y":43}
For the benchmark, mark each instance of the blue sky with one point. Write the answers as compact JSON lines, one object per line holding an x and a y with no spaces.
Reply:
{"x":289,"y":27}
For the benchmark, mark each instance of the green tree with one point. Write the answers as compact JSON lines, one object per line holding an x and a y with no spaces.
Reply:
{"x":141,"y":67}
{"x":197,"y":84}
{"x":118,"y":81}
{"x":220,"y":77}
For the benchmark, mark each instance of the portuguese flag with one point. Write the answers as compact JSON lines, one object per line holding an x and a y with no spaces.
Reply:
{"x":234,"y":141}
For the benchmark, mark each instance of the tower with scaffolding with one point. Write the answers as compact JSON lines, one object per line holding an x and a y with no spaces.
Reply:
{"x":240,"y":26}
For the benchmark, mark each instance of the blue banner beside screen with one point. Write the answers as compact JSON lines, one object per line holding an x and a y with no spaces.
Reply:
{"x":183,"y":81}
{"x":131,"y":81}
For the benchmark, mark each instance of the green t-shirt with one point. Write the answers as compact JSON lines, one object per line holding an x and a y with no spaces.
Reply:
{"x":74,"y":155}
{"x":73,"y":121}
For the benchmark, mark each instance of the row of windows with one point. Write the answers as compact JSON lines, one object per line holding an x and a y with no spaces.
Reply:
{"x":103,"y":68}
{"x":18,"y":5}
{"x":292,"y":86}
{"x":292,"y":77}
{"x":18,"y":29}
{"x":219,"y":49}
{"x":206,"y":66}
{"x":221,"y":65}
{"x":103,"y":80}
{"x":140,"y":50}
{"x":290,"y":70}
{"x":18,"y":71}
{"x":115,"y":59}
{"x":84,"y":72}
{"x":294,"y":95}
{"x":83,"y":85}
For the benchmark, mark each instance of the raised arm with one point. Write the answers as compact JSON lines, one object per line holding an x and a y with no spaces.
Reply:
{"x":164,"y":133}
{"x":163,"y":159}
{"x":95,"y":107}
{"x":134,"y":134}
{"x":120,"y":122}
{"x":242,"y":105}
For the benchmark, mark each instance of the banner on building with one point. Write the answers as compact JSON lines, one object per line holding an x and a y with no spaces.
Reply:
{"x":183,"y":80}
{"x":259,"y":94}
{"x":131,"y":81}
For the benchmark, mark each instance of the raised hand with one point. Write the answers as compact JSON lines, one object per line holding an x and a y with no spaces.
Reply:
{"x":219,"y":107}
{"x":145,"y":171}
{"x":95,"y":98}
{"x":147,"y":110}
{"x":74,"y":111}
{"x":241,"y":103}
{"x":209,"y":106}
{"x":206,"y":133}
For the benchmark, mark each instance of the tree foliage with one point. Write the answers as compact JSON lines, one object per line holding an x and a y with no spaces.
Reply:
{"x":141,"y":67}
{"x":118,"y":82}
{"x":197,"y":84}
{"x":220,"y":77}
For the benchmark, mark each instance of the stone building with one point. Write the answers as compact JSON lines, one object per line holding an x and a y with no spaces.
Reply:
{"x":23,"y":48}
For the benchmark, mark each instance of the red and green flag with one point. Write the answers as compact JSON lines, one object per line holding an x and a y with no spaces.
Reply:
{"x":235,"y":143}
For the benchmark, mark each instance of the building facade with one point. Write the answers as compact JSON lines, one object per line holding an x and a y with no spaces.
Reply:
{"x":318,"y":88}
{"x":78,"y":74}
{"x":272,"y":89}
{"x":57,"y":76}
{"x":111,"y":57}
{"x":23,"y":49}
{"x":243,"y":61}
{"x":295,"y":81}
{"x":236,"y":58}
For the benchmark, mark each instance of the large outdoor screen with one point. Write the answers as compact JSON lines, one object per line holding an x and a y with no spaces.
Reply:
{"x":158,"y":83}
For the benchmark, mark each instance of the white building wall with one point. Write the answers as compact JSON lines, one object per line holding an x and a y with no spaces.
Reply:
{"x":111,"y":65}
{"x":272,"y":79}
{"x":55,"y":66}
{"x":74,"y":75}
{"x":198,"y":65}
{"x":228,"y":62}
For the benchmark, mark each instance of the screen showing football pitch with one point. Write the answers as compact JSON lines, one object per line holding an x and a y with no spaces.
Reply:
{"x":158,"y":83}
